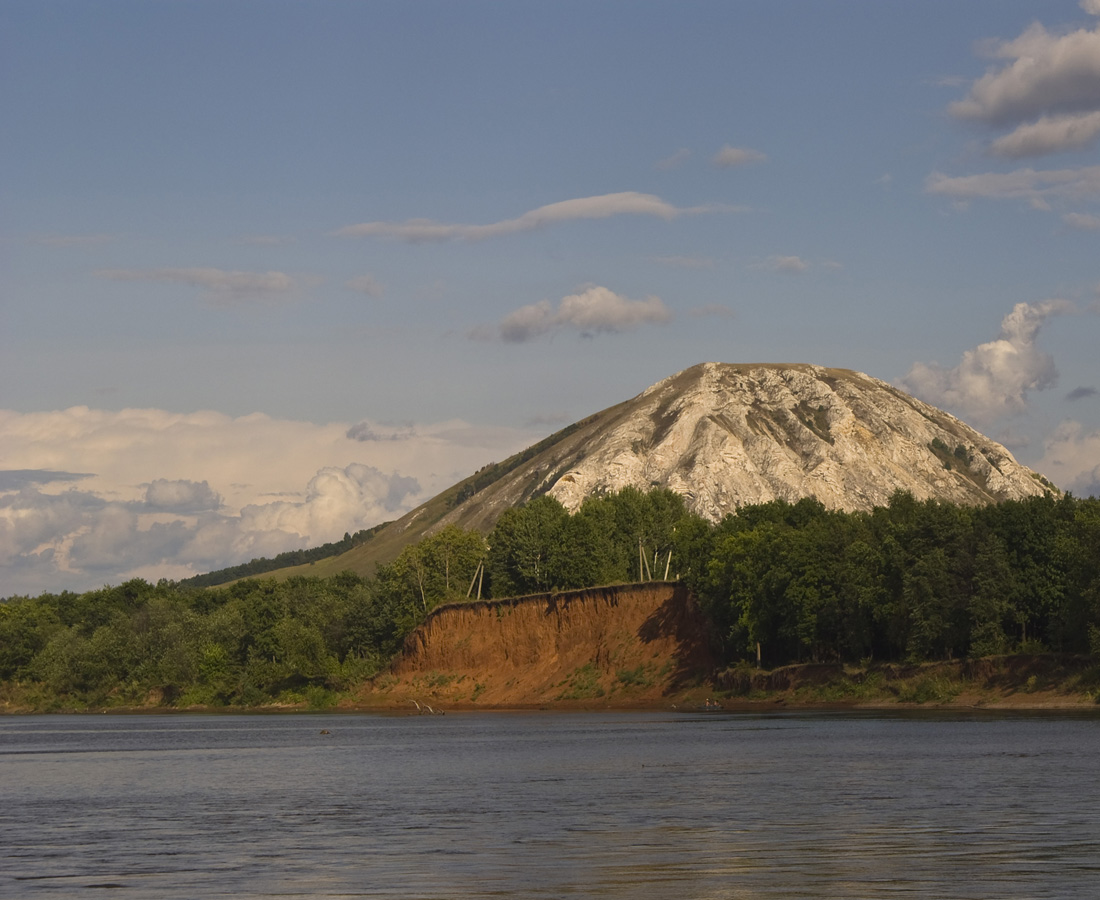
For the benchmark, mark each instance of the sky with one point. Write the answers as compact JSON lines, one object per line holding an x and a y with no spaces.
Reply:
{"x":271,"y":272}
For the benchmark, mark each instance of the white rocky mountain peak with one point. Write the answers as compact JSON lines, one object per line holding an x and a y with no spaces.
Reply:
{"x":725,"y":435}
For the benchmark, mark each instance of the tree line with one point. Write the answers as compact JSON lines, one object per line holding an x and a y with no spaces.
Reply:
{"x":778,"y":583}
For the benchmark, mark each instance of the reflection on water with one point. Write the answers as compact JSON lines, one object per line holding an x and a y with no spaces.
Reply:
{"x":648,"y":806}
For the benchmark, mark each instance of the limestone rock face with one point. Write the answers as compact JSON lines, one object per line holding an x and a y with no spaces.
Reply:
{"x":725,"y":435}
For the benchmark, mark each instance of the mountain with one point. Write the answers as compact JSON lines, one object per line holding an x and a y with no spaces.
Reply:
{"x":726,"y":435}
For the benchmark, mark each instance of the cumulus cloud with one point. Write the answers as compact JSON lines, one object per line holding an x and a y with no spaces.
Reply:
{"x":217,"y":285}
{"x":1039,"y":188}
{"x":95,"y":496}
{"x":1046,"y":88}
{"x":1071,"y":459}
{"x":367,"y":285}
{"x":1050,"y":134}
{"x":180,"y":496}
{"x":994,"y":379}
{"x":729,"y":157}
{"x":602,"y":206}
{"x":594,"y":310}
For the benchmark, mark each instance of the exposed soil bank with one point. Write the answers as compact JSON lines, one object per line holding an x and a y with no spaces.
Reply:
{"x":627,"y":645}
{"x":645,"y":646}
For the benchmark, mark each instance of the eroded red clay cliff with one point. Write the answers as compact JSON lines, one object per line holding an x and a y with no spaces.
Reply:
{"x":620,"y":645}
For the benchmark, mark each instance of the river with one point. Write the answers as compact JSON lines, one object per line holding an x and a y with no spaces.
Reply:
{"x":645,"y":806}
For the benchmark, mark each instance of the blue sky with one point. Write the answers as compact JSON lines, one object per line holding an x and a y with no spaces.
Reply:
{"x":276,"y":271}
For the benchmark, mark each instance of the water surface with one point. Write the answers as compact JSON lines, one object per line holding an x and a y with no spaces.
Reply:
{"x":551,"y":805}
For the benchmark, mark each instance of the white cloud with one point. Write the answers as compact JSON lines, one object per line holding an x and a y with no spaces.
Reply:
{"x":602,"y":206}
{"x":1048,"y":91}
{"x":95,"y":496}
{"x":1050,"y":134}
{"x":217,"y":285}
{"x":1091,"y":6}
{"x":367,"y":285}
{"x":1082,"y":221}
{"x":791,"y":264}
{"x":594,"y":310}
{"x":1047,"y":73}
{"x":728,"y":157}
{"x":180,"y":496}
{"x":1037,"y":187}
{"x":1071,"y":459}
{"x":994,"y":379}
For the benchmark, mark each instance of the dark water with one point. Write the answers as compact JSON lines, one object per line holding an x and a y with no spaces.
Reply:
{"x":551,"y":805}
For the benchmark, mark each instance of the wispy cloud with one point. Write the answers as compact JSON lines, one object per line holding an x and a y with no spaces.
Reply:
{"x":594,"y":310}
{"x":729,"y":157}
{"x":674,"y":161}
{"x":603,"y":206}
{"x":367,"y":285}
{"x":1039,"y":188}
{"x":1082,"y":221}
{"x":793,"y":265}
{"x":217,"y":285}
{"x":994,"y":379}
{"x":15,"y":479}
{"x":1080,"y":393}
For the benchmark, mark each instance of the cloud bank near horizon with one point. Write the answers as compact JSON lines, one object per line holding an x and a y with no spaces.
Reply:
{"x":93,"y":496}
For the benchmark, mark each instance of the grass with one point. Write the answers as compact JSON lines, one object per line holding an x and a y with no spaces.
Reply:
{"x":583,"y":684}
{"x":639,"y":677}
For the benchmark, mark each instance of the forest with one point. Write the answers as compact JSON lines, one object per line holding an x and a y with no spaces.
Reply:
{"x":778,"y":583}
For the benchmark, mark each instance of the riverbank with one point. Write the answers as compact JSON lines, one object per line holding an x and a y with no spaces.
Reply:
{"x":1018,"y":682}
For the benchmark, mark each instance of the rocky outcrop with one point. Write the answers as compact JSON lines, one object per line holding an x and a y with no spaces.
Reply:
{"x":726,"y":435}
{"x":626,"y":644}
